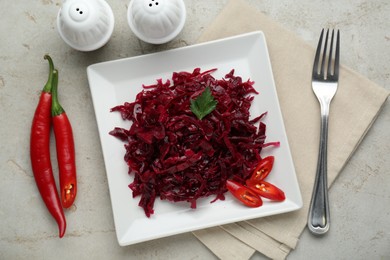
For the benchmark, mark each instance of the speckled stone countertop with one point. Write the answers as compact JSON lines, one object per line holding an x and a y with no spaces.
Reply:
{"x":360,"y":197}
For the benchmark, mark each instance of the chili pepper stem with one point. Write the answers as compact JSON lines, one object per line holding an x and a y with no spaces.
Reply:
{"x":48,"y":86}
{"x":56,"y":108}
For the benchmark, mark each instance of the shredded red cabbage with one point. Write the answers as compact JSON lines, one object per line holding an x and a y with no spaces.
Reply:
{"x":177,"y":157}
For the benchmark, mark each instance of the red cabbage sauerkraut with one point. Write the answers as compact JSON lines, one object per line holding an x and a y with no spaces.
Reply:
{"x":177,"y":157}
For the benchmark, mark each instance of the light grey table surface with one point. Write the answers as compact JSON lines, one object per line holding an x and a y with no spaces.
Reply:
{"x":360,"y":198}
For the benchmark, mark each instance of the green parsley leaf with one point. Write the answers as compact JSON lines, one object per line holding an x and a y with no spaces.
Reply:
{"x":204,"y":104}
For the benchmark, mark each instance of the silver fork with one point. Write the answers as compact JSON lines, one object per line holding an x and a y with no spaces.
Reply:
{"x":324,"y":83}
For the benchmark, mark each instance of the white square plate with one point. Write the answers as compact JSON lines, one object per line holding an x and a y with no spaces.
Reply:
{"x":115,"y":82}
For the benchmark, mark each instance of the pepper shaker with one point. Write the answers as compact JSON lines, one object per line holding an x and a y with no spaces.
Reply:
{"x":85,"y":25}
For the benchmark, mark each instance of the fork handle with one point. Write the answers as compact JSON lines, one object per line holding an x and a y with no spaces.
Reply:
{"x":319,"y":217}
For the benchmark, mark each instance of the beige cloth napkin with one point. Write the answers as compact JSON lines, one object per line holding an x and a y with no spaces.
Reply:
{"x":354,"y":108}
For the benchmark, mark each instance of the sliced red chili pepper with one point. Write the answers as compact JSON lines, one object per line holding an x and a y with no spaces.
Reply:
{"x":266,"y":190}
{"x":65,"y":149}
{"x":244,"y":194}
{"x":40,"y":154}
{"x":263,"y":169}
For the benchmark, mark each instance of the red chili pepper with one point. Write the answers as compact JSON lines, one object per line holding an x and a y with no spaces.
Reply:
{"x":266,"y":190}
{"x":244,"y":194}
{"x":263,"y":169}
{"x":40,"y":154}
{"x":65,"y":149}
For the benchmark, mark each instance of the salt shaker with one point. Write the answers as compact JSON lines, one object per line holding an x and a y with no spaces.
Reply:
{"x":156,"y":21}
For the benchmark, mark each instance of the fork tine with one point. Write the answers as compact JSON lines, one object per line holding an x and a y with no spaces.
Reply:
{"x":330,"y":73}
{"x":318,"y":52}
{"x":337,"y":57}
{"x":324,"y":55}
